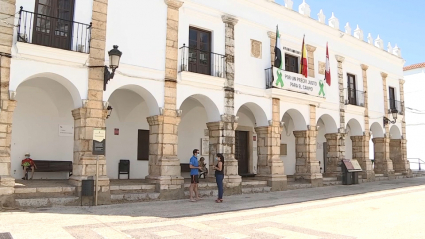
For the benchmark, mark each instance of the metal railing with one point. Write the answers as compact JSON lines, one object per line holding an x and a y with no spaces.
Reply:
{"x":269,"y":77}
{"x":396,"y":105}
{"x":53,"y":32}
{"x":416,"y":161}
{"x":354,"y":97}
{"x":202,"y":62}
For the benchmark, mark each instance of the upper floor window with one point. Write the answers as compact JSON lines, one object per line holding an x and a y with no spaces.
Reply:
{"x":391,"y":96}
{"x":199,"y":51}
{"x":351,"y":89}
{"x":291,"y":63}
{"x":53,"y":23}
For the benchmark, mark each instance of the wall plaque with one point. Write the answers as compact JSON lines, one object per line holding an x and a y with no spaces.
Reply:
{"x":99,"y":138}
{"x":66,"y":130}
{"x":256,"y":49}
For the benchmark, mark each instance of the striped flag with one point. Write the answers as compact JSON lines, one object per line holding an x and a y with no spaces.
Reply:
{"x":303,"y":62}
{"x":278,"y":63}
{"x":328,"y":67}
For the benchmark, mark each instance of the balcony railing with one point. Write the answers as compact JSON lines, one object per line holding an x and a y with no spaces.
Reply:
{"x":53,"y":32}
{"x":354,"y":97}
{"x":396,"y":105}
{"x":202,"y":62}
{"x":269,"y":77}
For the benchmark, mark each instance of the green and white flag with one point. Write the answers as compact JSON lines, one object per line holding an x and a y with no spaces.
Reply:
{"x":278,"y":62}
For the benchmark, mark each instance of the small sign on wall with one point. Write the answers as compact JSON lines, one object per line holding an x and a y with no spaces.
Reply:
{"x":66,"y":130}
{"x":116,"y":131}
{"x":205,"y":146}
{"x":254,"y":138}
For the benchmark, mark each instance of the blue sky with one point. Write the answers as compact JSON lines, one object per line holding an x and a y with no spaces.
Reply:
{"x":398,"y":22}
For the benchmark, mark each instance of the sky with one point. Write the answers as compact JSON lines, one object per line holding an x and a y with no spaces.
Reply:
{"x":400,"y":22}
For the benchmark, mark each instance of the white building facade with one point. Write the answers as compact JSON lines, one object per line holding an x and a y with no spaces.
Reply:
{"x":195,"y":75}
{"x":414,"y":75}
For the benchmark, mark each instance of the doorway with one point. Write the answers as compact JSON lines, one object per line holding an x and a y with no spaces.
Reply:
{"x":241,"y":152}
{"x":53,"y":23}
{"x":199,"y":51}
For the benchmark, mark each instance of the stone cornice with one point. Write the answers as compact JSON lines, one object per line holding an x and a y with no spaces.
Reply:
{"x":229,"y":19}
{"x":339,"y":58}
{"x":271,"y":34}
{"x":175,"y":4}
{"x":364,"y":67}
{"x":310,"y":48}
{"x":402,"y":81}
{"x":384,"y":75}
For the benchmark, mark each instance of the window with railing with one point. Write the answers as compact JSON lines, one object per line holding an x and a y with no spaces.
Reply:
{"x":395,"y":105}
{"x":202,"y":62}
{"x":53,"y":30}
{"x":354,"y":97}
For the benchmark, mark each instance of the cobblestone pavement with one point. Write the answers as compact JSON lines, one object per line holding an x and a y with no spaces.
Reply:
{"x":384,"y":209}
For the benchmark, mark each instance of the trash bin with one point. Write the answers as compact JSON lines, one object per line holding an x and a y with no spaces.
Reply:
{"x":87,"y":189}
{"x":355,"y":177}
{"x":347,"y":178}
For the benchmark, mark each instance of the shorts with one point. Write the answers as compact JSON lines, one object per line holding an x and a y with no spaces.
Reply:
{"x":194,"y":179}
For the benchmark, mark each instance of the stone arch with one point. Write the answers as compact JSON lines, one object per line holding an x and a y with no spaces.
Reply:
{"x":395,"y":132}
{"x":149,"y":99}
{"x":297,"y":119}
{"x":329,"y":123}
{"x":72,"y":89}
{"x":354,"y":128}
{"x":213,"y":114}
{"x":258,"y":112}
{"x":376,"y":130}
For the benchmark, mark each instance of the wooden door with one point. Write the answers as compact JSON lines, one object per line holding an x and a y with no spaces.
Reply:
{"x":143,"y":145}
{"x":392,"y":98}
{"x":241,"y":151}
{"x":199,"y":51}
{"x":351,"y":88}
{"x":291,"y":63}
{"x":53,"y":23}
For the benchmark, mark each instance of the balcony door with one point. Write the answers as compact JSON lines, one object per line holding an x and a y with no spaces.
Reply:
{"x":53,"y":23}
{"x":392,"y":98}
{"x":199,"y":51}
{"x":351,"y":89}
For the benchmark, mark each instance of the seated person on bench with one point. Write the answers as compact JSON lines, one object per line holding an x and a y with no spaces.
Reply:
{"x":28,"y":163}
{"x":203,"y":166}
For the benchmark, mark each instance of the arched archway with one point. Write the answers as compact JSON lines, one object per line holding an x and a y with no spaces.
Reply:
{"x":395,"y":132}
{"x":326,"y":127}
{"x":43,"y":124}
{"x":353,"y":128}
{"x":197,"y":111}
{"x":377,"y":151}
{"x":127,"y":129}
{"x":250,"y":115}
{"x":397,"y":151}
{"x":292,"y":120}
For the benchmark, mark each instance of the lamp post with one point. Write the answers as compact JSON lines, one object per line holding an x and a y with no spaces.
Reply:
{"x":114,"y":62}
{"x":394,"y":112}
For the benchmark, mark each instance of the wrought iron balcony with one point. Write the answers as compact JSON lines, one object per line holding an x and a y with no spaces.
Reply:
{"x":396,"y":105}
{"x":53,"y":32}
{"x":354,"y":97}
{"x":202,"y":62}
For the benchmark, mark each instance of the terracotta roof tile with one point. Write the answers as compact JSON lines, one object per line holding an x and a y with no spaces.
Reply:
{"x":414,"y":66}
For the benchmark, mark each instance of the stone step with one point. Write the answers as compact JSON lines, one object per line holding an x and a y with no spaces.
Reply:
{"x":44,"y":192}
{"x":204,"y":193}
{"x":299,"y":186}
{"x":327,"y":179}
{"x":253,"y":183}
{"x":332,"y":183}
{"x":256,"y":190}
{"x":203,"y":185}
{"x":139,"y":188}
{"x":381,"y":178}
{"x":47,"y":202}
{"x":133,"y":197}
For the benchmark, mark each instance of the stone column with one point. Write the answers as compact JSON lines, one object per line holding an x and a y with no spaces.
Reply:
{"x":361,"y":154}
{"x":270,"y":166}
{"x":340,"y":60}
{"x":222,"y":140}
{"x":272,"y":36}
{"x":383,"y":163}
{"x":7,"y":182}
{"x":164,"y":165}
{"x":361,"y":143}
{"x":92,"y":114}
{"x":336,"y":152}
{"x":307,"y":166}
{"x":310,"y":54}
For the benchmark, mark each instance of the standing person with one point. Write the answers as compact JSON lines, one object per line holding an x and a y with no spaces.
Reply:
{"x":28,"y":163}
{"x":219,"y":176}
{"x":194,"y":179}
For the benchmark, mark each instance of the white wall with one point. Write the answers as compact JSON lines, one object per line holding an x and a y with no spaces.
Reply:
{"x":415,"y":118}
{"x":288,"y":138}
{"x":128,"y":115}
{"x":43,"y":105}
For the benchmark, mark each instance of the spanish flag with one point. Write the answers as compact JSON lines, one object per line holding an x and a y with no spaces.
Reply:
{"x":303,"y":62}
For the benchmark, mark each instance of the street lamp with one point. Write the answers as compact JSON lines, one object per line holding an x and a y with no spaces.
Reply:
{"x":394,"y":112}
{"x":109,"y":111}
{"x":114,"y":62}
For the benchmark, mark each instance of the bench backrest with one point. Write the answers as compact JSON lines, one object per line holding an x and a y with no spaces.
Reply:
{"x":185,"y":167}
{"x":53,"y":166}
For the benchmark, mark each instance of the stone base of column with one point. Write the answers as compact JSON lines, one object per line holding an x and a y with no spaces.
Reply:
{"x":316,"y":179}
{"x":232,"y":181}
{"x":168,"y":187}
{"x":104,"y":195}
{"x":367,"y":172}
{"x":276,"y":182}
{"x":7,"y":190}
